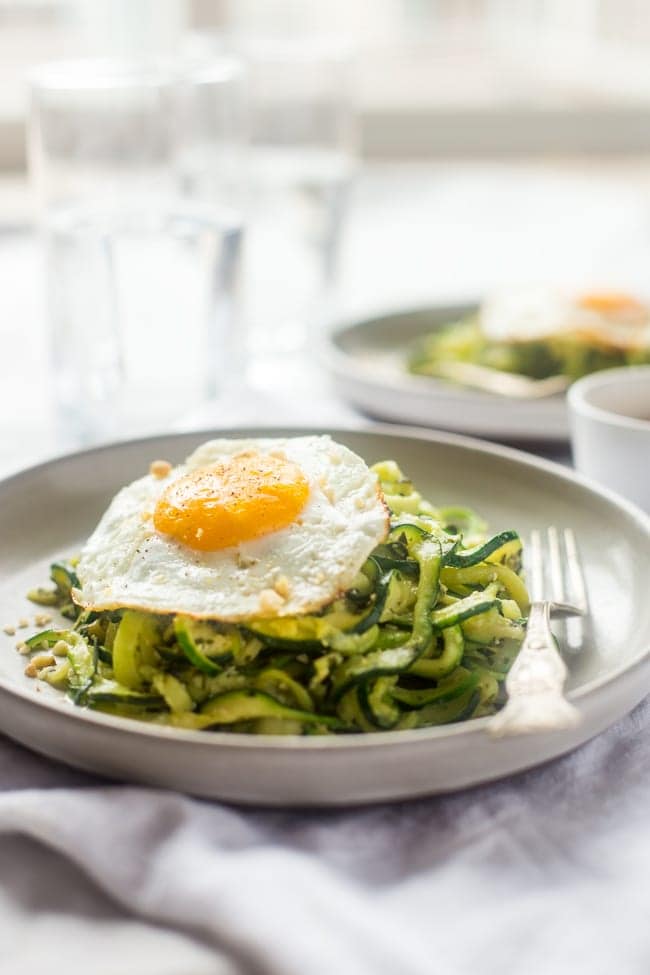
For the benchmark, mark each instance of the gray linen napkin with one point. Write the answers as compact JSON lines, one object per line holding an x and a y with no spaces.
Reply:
{"x":545,"y":872}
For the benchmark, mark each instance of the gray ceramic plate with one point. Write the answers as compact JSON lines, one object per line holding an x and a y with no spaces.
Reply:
{"x":48,"y":511}
{"x":367,"y":362}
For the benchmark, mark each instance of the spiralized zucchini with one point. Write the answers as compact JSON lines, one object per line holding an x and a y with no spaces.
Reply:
{"x":569,"y":354}
{"x":425,"y":636}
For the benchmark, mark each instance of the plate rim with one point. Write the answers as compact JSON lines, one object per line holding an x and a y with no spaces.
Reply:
{"x":409,"y":381}
{"x":286,"y":743}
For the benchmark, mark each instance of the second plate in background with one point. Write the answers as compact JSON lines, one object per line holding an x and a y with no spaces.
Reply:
{"x":367,"y":360}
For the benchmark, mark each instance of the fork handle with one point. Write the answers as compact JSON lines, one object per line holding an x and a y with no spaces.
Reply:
{"x":535,"y":683}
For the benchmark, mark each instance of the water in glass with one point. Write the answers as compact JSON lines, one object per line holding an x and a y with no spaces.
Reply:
{"x":142,"y":304}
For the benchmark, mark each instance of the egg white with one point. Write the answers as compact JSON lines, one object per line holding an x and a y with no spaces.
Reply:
{"x":538,"y":313}
{"x":299,"y":569}
{"x":527,"y":314}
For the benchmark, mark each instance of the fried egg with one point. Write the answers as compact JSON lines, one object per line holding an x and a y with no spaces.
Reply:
{"x":608,"y":318}
{"x":243,"y":529}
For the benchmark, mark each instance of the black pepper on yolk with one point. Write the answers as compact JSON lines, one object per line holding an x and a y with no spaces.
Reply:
{"x":241,"y":499}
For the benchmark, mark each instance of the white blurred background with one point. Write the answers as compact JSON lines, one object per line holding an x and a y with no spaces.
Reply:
{"x":432,"y":75}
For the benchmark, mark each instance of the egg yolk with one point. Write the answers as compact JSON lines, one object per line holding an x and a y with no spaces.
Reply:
{"x":238,"y":500}
{"x":611,"y":303}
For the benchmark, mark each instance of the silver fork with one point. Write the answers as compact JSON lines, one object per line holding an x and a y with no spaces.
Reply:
{"x":535,"y":683}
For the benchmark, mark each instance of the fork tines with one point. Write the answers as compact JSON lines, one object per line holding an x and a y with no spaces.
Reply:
{"x":556,"y":575}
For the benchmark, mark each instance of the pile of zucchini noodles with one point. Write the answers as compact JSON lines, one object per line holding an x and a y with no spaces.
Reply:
{"x":568,"y":353}
{"x":425,"y":636}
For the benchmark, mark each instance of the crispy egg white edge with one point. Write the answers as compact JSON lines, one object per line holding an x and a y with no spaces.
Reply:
{"x":331,"y":550}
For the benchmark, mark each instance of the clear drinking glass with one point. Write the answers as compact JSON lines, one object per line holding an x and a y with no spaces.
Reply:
{"x":301,"y":159}
{"x":141,"y":282}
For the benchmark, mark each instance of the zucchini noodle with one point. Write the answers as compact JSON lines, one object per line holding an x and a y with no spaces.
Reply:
{"x":425,"y":636}
{"x":570,"y":354}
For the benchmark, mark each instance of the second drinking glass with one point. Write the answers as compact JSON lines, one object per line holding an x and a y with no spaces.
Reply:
{"x":301,"y":160}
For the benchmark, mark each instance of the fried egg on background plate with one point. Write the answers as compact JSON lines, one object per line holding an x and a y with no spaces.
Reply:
{"x":608,"y":318}
{"x":244,"y":528}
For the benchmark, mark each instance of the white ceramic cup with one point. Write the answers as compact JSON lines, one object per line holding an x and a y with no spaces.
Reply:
{"x":609,"y":414}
